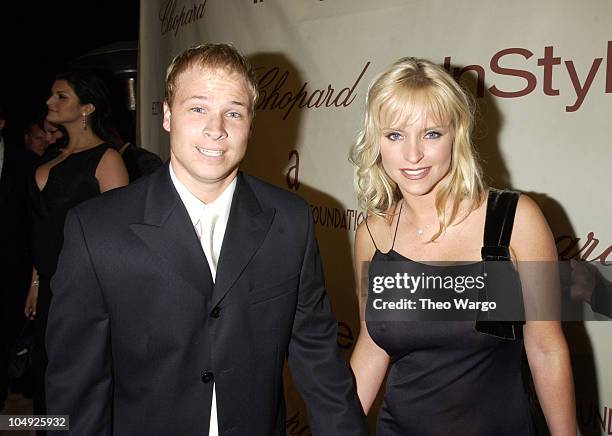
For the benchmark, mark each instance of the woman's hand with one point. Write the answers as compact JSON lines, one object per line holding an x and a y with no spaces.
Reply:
{"x":30,"y":305}
{"x":29,"y":309}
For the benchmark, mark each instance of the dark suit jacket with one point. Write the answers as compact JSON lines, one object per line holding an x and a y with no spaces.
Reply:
{"x":137,"y":332}
{"x":15,"y":259}
{"x":139,"y":161}
{"x":15,"y":256}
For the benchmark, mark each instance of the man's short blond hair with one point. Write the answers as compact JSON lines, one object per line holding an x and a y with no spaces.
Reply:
{"x":214,"y":57}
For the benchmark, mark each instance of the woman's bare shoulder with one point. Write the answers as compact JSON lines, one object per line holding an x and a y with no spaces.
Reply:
{"x":531,"y":236}
{"x":376,"y":229}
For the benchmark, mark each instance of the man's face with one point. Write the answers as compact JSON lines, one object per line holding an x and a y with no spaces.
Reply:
{"x":53,"y":133}
{"x":209,"y":124}
{"x":36,"y":140}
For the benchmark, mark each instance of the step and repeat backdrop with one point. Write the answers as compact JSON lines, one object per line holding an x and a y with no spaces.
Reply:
{"x":541,"y":73}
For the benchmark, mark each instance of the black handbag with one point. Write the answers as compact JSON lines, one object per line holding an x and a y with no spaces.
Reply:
{"x":20,"y":358}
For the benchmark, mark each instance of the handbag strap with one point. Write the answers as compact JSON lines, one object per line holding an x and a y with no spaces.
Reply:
{"x":501,"y":209}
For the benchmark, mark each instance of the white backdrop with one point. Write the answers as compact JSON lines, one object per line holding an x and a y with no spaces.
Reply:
{"x":542,"y":74}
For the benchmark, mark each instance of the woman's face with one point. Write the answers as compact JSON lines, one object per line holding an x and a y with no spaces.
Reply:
{"x":416,"y":153}
{"x":63,"y":106}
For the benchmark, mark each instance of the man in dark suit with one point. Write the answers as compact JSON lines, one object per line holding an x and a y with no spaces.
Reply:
{"x":35,"y":141}
{"x":138,"y":161}
{"x":178,"y":298}
{"x":16,"y":265}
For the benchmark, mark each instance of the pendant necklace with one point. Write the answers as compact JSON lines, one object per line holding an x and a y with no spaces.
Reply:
{"x":419,"y":230}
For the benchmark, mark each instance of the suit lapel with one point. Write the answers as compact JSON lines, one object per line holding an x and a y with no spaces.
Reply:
{"x":168,"y":232}
{"x":247,"y":226}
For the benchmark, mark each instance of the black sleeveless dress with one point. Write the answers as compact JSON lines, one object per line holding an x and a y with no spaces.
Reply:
{"x":70,"y":182}
{"x":446,"y":378}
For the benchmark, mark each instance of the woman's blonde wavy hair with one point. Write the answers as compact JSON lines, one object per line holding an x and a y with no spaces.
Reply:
{"x":396,"y":94}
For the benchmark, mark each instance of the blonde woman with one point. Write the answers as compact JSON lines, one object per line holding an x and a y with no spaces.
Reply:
{"x":418,"y":178}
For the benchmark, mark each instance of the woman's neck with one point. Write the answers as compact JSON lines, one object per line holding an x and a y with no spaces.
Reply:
{"x":420,"y":208}
{"x":80,"y":138}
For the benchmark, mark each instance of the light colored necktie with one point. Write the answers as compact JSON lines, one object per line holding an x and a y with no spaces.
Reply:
{"x":206,"y":230}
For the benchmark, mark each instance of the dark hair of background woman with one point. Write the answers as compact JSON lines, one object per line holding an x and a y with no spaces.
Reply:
{"x":90,"y":88}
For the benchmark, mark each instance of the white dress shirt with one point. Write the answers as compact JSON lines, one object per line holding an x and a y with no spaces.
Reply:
{"x":209,"y":221}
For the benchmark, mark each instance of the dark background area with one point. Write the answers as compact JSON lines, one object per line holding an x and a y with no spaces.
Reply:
{"x":39,"y":39}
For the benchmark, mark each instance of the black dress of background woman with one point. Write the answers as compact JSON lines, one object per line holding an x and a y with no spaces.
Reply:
{"x":86,"y":166}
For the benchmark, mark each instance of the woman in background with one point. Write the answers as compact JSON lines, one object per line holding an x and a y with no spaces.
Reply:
{"x":418,"y":178}
{"x":86,"y":166}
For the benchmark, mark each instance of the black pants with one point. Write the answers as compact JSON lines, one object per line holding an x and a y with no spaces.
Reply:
{"x":13,"y":292}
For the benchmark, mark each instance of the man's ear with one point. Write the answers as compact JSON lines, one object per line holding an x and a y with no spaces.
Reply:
{"x":167,"y":117}
{"x":2,"y":122}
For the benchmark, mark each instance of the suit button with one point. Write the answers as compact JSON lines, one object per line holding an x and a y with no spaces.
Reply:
{"x":207,"y":377}
{"x":216,"y":312}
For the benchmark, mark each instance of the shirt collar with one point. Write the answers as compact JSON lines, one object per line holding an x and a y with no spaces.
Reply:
{"x":221,"y":206}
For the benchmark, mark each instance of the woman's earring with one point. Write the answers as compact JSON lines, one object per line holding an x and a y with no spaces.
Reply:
{"x":84,"y":122}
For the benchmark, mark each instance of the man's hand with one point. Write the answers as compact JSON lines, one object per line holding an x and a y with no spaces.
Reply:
{"x":582,"y":280}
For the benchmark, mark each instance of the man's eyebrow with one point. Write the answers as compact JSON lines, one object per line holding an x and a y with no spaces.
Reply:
{"x":195,"y":97}
{"x":203,"y":97}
